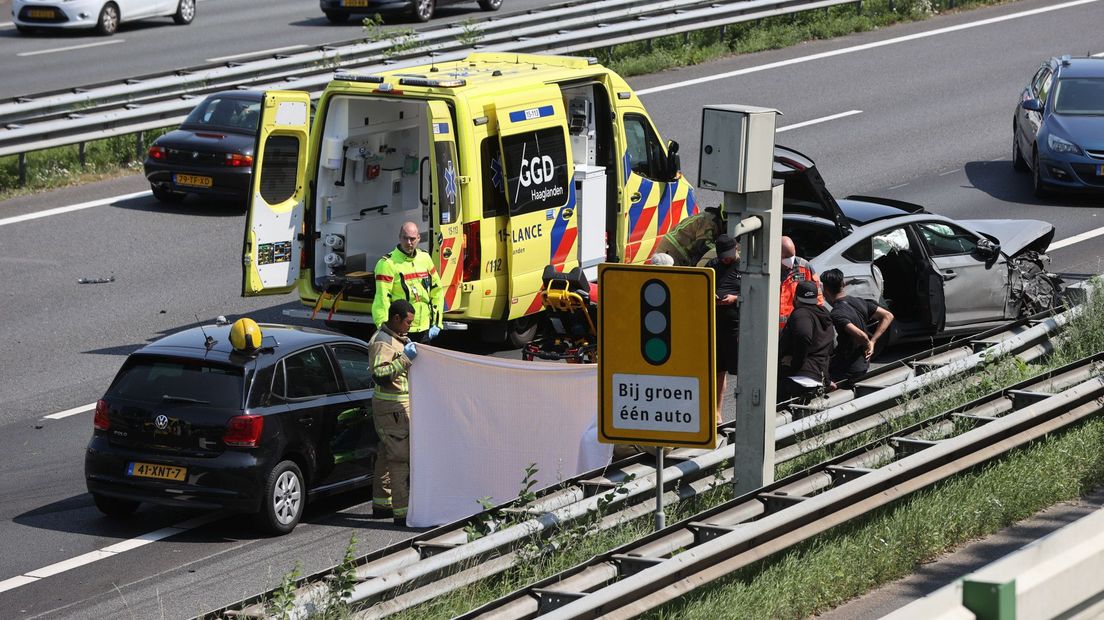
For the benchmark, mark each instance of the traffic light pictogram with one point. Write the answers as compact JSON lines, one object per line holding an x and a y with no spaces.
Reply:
{"x":655,"y":322}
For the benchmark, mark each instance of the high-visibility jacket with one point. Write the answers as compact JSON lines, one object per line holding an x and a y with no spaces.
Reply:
{"x":389,"y":365}
{"x":413,"y":278}
{"x":693,"y":237}
{"x":800,"y":272}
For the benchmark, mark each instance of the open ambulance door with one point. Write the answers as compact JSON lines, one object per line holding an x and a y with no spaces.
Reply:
{"x":274,"y":233}
{"x":542,"y":227}
{"x":445,"y":229}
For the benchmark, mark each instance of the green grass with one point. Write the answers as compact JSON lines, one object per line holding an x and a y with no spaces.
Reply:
{"x":113,"y":157}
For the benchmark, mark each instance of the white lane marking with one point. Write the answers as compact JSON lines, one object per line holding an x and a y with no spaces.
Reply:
{"x":1068,"y":241}
{"x":274,"y":50}
{"x":76,"y":207}
{"x":1100,"y":55}
{"x":108,"y":552}
{"x":823,"y":119}
{"x":943,"y":174}
{"x":70,"y":48}
{"x":68,"y":412}
{"x":864,"y":47}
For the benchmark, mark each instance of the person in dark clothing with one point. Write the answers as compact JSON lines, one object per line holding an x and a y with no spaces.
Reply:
{"x":727,"y":283}
{"x":806,"y":346}
{"x":859,"y":323}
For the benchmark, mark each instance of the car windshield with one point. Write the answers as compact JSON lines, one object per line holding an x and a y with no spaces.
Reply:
{"x":1083,"y":96}
{"x":167,"y":380}
{"x":225,"y":112}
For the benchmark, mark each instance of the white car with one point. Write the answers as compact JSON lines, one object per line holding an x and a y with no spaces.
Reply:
{"x":103,"y":16}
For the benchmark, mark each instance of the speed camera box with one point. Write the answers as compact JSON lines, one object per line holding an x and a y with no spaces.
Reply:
{"x":737,"y":148}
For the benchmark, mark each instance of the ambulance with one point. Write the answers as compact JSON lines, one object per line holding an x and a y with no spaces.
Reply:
{"x":508,"y":163}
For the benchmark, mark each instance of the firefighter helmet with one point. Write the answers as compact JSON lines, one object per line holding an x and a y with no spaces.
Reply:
{"x":245,"y":335}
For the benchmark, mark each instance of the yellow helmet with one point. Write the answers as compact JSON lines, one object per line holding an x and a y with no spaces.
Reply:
{"x":245,"y":335}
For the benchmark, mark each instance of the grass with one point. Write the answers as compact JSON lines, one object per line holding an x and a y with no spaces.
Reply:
{"x":114,"y":157}
{"x":885,"y":545}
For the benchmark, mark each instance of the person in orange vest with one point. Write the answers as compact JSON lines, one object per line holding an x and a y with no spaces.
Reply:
{"x":794,"y":271}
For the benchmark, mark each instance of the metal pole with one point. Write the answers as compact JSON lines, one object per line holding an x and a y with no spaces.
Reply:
{"x":660,"y":518}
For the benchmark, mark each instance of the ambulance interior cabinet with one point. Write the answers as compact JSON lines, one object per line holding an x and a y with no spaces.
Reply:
{"x":590,"y":192}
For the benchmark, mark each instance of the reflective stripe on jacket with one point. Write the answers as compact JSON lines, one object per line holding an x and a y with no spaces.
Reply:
{"x":414,"y":279}
{"x":800,"y":272}
{"x":389,"y":364}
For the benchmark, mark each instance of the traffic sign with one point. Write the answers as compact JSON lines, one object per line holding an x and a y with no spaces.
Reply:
{"x":656,"y":356}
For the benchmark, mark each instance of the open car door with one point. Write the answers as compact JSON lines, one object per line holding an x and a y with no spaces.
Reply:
{"x":446,"y":239}
{"x":274,"y":231}
{"x":541,"y":229}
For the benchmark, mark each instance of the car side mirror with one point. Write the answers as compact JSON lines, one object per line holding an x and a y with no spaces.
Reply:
{"x":1033,"y":105}
{"x":674,"y":162}
{"x":988,"y":250}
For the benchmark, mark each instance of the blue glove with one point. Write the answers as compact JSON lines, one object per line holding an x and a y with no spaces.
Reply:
{"x":410,"y":350}
{"x":434,"y":331}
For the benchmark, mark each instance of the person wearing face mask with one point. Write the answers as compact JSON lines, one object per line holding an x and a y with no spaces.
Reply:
{"x":794,"y":271}
{"x":409,"y":273}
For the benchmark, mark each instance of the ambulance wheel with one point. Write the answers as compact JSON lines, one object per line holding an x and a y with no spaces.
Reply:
{"x":422,"y":11}
{"x":113,"y":506}
{"x":490,"y":5}
{"x":166,"y":195}
{"x":336,"y":17}
{"x":520,"y":332}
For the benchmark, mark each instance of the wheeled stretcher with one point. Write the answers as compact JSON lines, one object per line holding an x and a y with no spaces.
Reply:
{"x":570,"y":306}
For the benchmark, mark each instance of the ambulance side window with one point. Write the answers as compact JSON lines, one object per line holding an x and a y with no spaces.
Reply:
{"x":536,"y":170}
{"x":280,"y":168}
{"x":646,"y":155}
{"x":494,"y":182}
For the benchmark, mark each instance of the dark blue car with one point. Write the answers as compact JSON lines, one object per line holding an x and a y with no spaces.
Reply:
{"x":1058,"y":128}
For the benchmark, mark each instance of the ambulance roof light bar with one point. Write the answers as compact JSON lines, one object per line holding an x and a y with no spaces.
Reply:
{"x":346,"y":76}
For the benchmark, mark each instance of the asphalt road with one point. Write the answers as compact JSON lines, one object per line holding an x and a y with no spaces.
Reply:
{"x":222,"y":29}
{"x":933,"y":127}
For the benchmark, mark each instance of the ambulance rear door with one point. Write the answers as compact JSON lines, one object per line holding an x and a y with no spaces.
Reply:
{"x":542,"y":228}
{"x":274,"y":233}
{"x":445,"y":225}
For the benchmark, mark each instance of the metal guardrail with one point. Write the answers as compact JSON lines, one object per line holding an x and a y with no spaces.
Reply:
{"x":35,"y":122}
{"x":645,"y":574}
{"x":440,"y":560}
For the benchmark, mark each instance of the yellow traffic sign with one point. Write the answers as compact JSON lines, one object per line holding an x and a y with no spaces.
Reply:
{"x":656,"y":356}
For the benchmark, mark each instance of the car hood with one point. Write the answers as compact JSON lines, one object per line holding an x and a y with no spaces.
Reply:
{"x":1016,"y":236}
{"x":1084,"y":130}
{"x":804,"y":191}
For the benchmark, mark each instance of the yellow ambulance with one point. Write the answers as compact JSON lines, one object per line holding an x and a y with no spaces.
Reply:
{"x":507,"y":163}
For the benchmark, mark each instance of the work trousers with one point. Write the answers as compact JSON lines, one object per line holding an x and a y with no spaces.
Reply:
{"x":391,"y":481}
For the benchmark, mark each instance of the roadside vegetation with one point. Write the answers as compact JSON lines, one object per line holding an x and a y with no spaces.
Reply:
{"x":122,"y":155}
{"x":865,"y":553}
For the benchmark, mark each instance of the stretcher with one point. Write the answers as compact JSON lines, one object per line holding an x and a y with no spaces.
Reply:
{"x":571,"y":309}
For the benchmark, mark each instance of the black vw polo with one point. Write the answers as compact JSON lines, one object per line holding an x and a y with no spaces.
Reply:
{"x":190,"y":421}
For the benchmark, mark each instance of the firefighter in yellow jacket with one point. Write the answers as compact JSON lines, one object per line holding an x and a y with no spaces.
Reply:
{"x":693,"y":237}
{"x":409,"y":273}
{"x":392,"y":353}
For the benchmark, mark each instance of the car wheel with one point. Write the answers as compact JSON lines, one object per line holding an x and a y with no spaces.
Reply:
{"x":165,"y":195}
{"x":423,"y":10}
{"x":113,"y":506}
{"x":1018,"y":161}
{"x":1037,"y":177}
{"x":185,"y":12}
{"x":490,"y":5}
{"x":521,"y":331}
{"x":336,"y":17}
{"x":109,"y":19}
{"x":283,"y":500}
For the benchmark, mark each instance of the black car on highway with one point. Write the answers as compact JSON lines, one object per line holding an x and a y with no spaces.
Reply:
{"x":190,"y":420}
{"x":338,"y":11}
{"x":211,"y":153}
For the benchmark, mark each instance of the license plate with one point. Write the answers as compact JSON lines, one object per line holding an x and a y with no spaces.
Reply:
{"x":1100,"y":170}
{"x":192,"y":180}
{"x":40,"y":13}
{"x":354,"y":3}
{"x":152,"y":470}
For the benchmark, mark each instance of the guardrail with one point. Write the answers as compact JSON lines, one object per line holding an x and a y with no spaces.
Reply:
{"x":443,"y":559}
{"x":35,"y":122}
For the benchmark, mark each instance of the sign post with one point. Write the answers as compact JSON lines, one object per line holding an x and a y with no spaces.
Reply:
{"x":657,"y":360}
